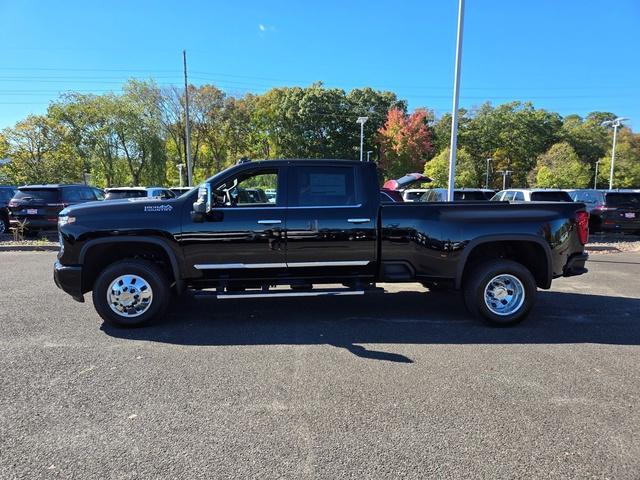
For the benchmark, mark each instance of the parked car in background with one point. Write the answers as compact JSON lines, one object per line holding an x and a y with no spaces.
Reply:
{"x":610,"y":210}
{"x":531,"y":195}
{"x":180,"y":190}
{"x":37,"y":206}
{"x":401,"y":187}
{"x":271,"y":194}
{"x":118,"y":193}
{"x":390,"y":196}
{"x":6,"y":193}
{"x":98,"y":192}
{"x":459,"y":195}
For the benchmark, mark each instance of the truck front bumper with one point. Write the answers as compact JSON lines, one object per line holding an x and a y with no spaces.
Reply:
{"x":575,"y":265}
{"x":69,"y":279}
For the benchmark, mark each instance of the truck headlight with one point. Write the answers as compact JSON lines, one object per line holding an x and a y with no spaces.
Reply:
{"x":64,"y":220}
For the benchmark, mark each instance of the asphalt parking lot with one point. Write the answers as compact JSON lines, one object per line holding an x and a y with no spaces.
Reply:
{"x":396,"y":385}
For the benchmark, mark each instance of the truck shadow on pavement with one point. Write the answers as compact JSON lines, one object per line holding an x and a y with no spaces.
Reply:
{"x":389,"y":318}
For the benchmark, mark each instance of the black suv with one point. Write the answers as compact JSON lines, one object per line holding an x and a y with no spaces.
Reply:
{"x":6,"y":193}
{"x":39,"y":205}
{"x":611,"y":210}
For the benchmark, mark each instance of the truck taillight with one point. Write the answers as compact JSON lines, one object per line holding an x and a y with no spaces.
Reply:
{"x":582,"y":220}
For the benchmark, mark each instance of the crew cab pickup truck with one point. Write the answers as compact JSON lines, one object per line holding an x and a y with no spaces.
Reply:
{"x":326,"y":226}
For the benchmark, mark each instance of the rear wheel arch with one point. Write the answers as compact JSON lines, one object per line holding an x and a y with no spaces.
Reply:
{"x":529,"y":250}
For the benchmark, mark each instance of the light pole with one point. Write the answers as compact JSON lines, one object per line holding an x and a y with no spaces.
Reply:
{"x":180,"y":173}
{"x":362,"y":121}
{"x":369,"y":152}
{"x":595,"y":179}
{"x":486,"y":184}
{"x":615,"y":123}
{"x":456,"y":98}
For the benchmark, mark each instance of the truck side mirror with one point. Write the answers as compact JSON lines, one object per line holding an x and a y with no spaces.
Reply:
{"x":203,"y":205}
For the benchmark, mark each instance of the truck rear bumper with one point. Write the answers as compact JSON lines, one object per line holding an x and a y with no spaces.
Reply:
{"x":69,"y":279}
{"x":575,"y":265}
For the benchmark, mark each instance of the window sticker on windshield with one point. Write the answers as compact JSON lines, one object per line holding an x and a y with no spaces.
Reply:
{"x":158,"y":208}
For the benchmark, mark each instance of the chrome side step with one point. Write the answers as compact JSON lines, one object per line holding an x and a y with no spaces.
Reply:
{"x":328,"y":292}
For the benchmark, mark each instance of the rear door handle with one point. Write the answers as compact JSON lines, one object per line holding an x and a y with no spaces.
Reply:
{"x":269,"y":222}
{"x":359,"y":220}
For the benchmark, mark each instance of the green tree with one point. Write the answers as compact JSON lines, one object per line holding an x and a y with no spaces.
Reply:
{"x":560,"y":167}
{"x":627,"y":165}
{"x":438,"y":170}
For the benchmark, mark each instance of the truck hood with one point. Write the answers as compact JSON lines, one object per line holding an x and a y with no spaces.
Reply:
{"x":125,"y":206}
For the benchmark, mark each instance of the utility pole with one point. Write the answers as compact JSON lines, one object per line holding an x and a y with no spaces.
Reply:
{"x":369,"y":152}
{"x":615,"y":123}
{"x":180,"y":174}
{"x":187,"y":128}
{"x":595,"y":179}
{"x":456,"y":97}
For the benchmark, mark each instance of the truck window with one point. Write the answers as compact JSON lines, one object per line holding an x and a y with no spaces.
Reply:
{"x":319,"y":186}
{"x":550,"y":196}
{"x":519,"y":197}
{"x":248,"y":189}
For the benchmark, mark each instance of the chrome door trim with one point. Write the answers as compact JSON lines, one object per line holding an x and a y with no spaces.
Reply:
{"x":350,"y":263}
{"x":237,"y":266}
{"x":359,"y":220}
{"x":269,"y":222}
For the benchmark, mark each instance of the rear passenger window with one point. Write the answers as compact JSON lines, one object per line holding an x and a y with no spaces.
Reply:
{"x":319,"y":186}
{"x":72,"y":194}
{"x":519,"y":196}
{"x":508,"y":196}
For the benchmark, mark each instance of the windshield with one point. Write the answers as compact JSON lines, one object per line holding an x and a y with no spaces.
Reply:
{"x":413,"y":196}
{"x":46,"y":195}
{"x":469,"y":196}
{"x":118,"y":194}
{"x":557,"y":196}
{"x":623,"y":199}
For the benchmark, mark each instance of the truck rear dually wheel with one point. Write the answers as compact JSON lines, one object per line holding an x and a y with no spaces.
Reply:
{"x":131,"y":292}
{"x":502,"y":292}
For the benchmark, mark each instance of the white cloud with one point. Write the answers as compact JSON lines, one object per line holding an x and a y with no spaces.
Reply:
{"x":261,"y":27}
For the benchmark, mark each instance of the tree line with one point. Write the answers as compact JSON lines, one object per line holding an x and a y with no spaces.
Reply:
{"x":137,"y":137}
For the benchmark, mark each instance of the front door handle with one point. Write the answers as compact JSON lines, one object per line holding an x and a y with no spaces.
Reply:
{"x":359,"y":220}
{"x":269,"y":222}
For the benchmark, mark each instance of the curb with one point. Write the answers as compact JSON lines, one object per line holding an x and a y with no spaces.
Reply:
{"x":29,"y":248}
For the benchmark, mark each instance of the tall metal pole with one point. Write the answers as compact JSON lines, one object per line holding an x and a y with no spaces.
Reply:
{"x":369,"y":152}
{"x":486,"y":184}
{"x":187,"y":129}
{"x":613,"y":153}
{"x":456,"y":95}
{"x":595,"y":179}
{"x":361,"y":138}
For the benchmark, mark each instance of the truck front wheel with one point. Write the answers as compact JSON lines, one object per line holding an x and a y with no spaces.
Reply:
{"x":502,"y":292}
{"x":130,"y":292}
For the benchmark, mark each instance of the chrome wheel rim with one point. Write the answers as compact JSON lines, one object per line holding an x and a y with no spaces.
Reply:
{"x":129,"y":296}
{"x":504,"y":294}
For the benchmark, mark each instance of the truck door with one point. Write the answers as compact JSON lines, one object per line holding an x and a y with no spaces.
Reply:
{"x":331,"y":224}
{"x":243,"y":236}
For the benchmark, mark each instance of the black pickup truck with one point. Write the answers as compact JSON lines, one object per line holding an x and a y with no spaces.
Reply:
{"x":325,"y":226}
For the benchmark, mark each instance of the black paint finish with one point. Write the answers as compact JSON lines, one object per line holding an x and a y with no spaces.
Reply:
{"x":397,"y":242}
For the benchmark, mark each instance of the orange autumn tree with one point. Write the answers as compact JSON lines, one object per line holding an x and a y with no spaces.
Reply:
{"x":405,"y":142}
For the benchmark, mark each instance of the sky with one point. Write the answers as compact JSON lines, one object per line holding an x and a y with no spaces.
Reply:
{"x":569,"y":56}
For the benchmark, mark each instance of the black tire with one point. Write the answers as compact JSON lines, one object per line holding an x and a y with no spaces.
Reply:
{"x":4,"y":225}
{"x":479,"y":278}
{"x":150,"y":273}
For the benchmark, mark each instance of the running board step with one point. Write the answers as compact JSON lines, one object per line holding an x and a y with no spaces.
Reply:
{"x":327,"y":292}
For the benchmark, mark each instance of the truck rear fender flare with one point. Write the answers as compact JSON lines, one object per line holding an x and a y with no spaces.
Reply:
{"x":468,"y":250}
{"x":175,"y":268}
